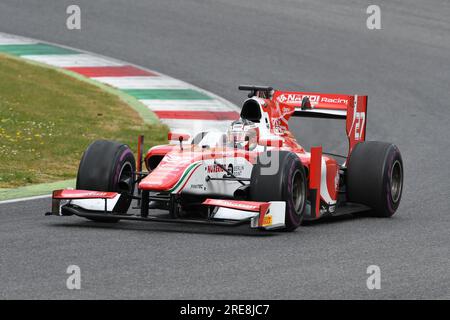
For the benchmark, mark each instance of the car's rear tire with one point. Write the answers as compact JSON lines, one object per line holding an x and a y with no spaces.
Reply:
{"x":103,"y":165}
{"x":375,"y":177}
{"x":287,"y":184}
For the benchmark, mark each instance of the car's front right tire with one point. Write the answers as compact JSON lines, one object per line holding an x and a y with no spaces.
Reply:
{"x":283,"y":179}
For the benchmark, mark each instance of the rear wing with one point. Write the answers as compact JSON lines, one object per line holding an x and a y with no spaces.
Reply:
{"x":323,"y":105}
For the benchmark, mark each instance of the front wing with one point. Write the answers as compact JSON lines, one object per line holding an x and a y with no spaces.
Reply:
{"x":94,"y":204}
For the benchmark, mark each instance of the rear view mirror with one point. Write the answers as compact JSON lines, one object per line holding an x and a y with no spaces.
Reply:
{"x":174,"y":136}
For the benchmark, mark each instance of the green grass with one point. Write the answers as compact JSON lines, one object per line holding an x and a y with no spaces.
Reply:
{"x":48,"y":118}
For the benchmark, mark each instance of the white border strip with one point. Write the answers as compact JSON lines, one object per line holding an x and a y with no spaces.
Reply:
{"x":25,"y":199}
{"x":9,"y":39}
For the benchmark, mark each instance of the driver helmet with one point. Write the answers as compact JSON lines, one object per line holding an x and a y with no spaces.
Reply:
{"x":242,"y":134}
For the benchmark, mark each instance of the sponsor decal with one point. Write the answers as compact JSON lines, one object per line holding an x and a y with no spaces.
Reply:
{"x":68,"y":194}
{"x":235,"y":204}
{"x":297,"y":98}
{"x":335,"y":100}
{"x":90,"y":194}
{"x":198,"y":186}
{"x":214,"y":168}
{"x":267,"y":220}
{"x":237,"y":170}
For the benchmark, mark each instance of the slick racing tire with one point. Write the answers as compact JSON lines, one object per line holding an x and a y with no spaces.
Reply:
{"x":108,"y":166}
{"x":375,"y":177}
{"x":286,"y":183}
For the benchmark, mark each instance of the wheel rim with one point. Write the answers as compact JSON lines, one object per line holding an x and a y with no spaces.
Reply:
{"x":298,"y":192}
{"x":396,"y":181}
{"x":126,"y":175}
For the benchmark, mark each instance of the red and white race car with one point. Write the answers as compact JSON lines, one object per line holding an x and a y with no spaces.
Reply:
{"x":256,"y":172}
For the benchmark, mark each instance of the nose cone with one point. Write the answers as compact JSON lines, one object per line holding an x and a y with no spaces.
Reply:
{"x":172,"y":172}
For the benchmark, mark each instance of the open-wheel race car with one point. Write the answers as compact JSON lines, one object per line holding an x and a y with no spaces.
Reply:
{"x":256,"y":172}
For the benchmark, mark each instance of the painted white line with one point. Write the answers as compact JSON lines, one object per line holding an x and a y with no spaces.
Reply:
{"x":72,"y":60}
{"x":9,"y":39}
{"x":191,"y":105}
{"x":25,"y":199}
{"x":144,"y":82}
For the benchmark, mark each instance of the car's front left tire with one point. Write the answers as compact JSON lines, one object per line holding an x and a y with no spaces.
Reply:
{"x":108,"y":166}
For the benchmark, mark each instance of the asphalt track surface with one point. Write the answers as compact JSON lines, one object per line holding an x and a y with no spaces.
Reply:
{"x":312,"y":45}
